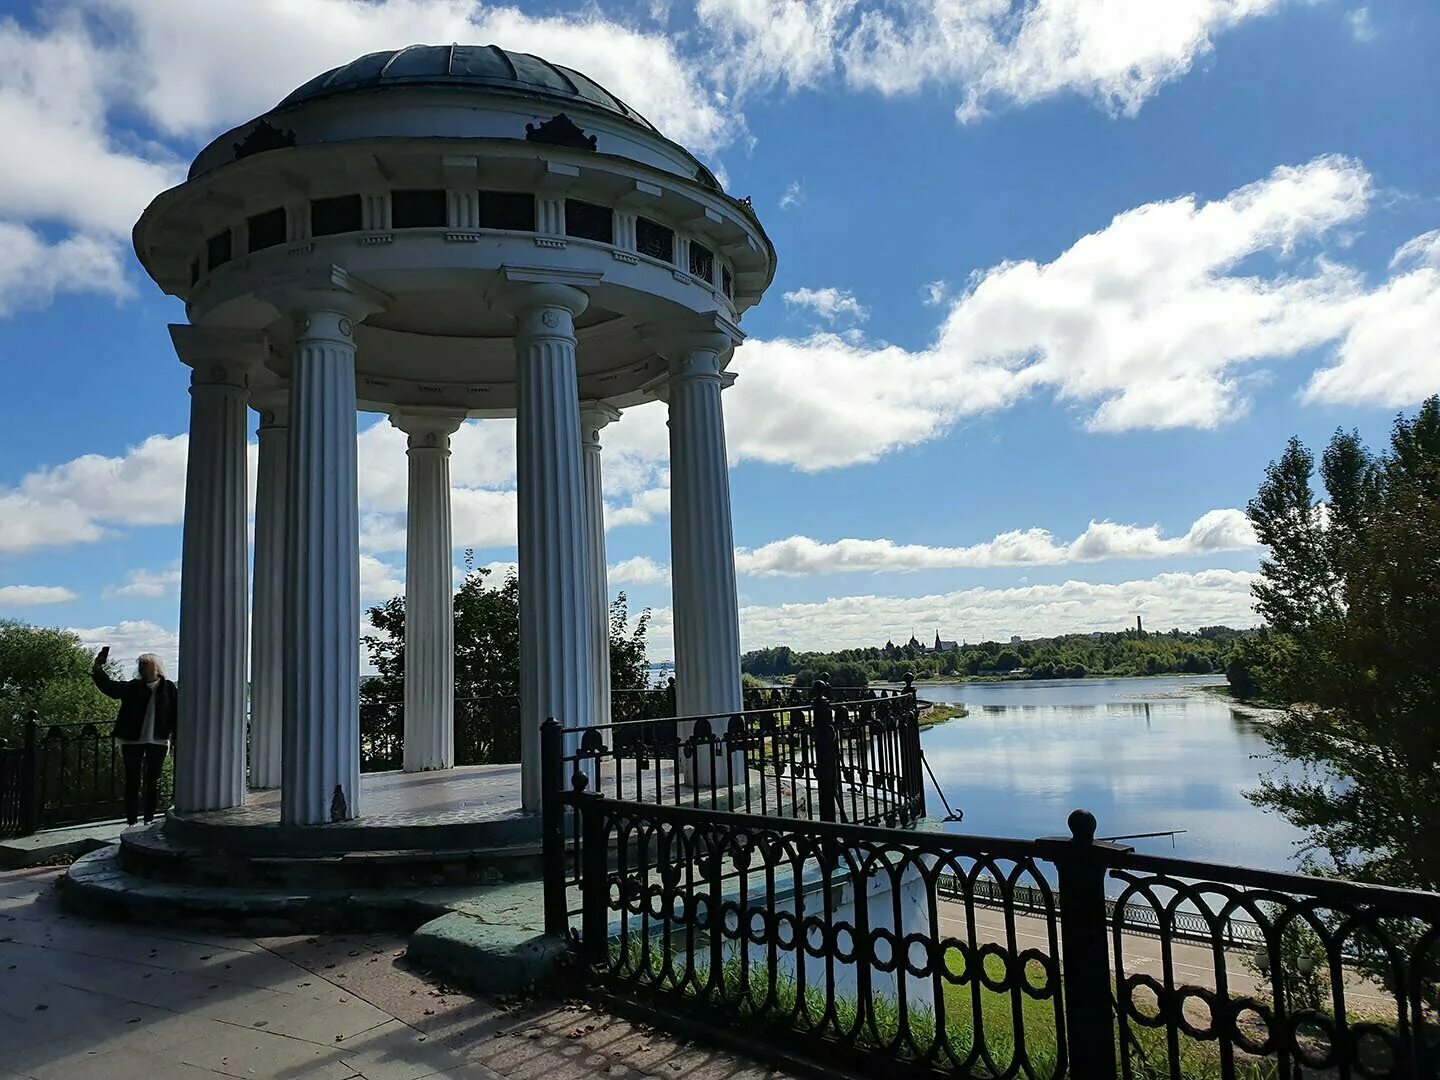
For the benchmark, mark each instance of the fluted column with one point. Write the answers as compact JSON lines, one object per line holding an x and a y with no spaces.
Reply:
{"x":594,"y":415}
{"x":702,"y":548}
{"x":555,"y":667}
{"x":429,"y":593}
{"x":267,"y":625}
{"x":210,"y":741}
{"x":321,"y":759}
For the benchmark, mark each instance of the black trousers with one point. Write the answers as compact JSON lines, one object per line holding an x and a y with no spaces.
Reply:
{"x":143,"y":765}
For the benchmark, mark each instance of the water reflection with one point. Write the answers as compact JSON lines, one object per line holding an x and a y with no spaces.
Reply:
{"x":1142,"y":754}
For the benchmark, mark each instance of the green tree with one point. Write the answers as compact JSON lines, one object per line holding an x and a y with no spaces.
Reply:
{"x":629,"y":666}
{"x":48,"y":671}
{"x":487,"y":642}
{"x":1351,"y":586}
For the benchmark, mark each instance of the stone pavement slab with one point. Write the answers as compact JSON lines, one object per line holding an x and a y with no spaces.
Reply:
{"x":80,"y":998}
{"x":49,"y":845}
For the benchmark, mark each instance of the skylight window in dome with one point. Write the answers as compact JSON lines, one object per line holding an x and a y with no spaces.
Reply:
{"x":702,"y":261}
{"x":265,"y":230}
{"x":514,"y":210}
{"x":338,"y":215}
{"x":218,"y":250}
{"x":418,"y":209}
{"x":589,"y":221}
{"x":655,"y":240}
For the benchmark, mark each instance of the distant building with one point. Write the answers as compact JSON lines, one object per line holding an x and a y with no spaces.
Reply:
{"x":940,"y":646}
{"x":1015,"y":639}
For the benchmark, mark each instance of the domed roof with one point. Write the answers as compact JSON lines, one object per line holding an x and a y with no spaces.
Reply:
{"x":463,"y":65}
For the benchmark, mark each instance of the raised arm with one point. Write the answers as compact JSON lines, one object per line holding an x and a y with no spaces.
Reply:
{"x":106,"y":685}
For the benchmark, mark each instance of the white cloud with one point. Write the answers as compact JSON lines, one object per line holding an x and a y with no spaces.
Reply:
{"x":379,"y":580}
{"x":33,"y":270}
{"x":1361,"y":28}
{"x":1158,"y":320}
{"x":129,"y":638}
{"x":794,"y":195}
{"x":1390,"y":354}
{"x":934,"y":293}
{"x":829,"y":304}
{"x":1213,"y":532}
{"x":84,"y":499}
{"x":1186,"y":600}
{"x":58,"y":161}
{"x":1118,"y":53}
{"x":639,"y":570}
{"x":149,"y":583}
{"x":177,"y":58}
{"x":1208,"y":597}
{"x":30,"y":595}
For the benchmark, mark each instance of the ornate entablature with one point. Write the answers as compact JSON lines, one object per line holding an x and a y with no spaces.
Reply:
{"x":560,"y":130}
{"x":430,"y":174}
{"x":263,"y":136}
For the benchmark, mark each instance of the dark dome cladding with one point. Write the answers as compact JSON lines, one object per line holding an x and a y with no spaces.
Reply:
{"x":463,"y":65}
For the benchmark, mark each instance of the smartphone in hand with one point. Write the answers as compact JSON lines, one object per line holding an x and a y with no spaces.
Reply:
{"x":103,"y":657}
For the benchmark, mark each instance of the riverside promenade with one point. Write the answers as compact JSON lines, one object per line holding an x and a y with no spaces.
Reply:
{"x":117,"y":1001}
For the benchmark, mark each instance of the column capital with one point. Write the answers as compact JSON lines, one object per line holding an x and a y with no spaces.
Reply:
{"x":679,"y":339}
{"x":544,"y":303}
{"x":526,"y":286}
{"x":219,"y":357}
{"x":429,"y":429}
{"x":659,"y":388}
{"x":272,"y":402}
{"x":326,"y":303}
{"x":595,"y":415}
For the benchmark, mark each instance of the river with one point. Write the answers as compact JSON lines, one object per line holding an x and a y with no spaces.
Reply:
{"x":1141,"y":754}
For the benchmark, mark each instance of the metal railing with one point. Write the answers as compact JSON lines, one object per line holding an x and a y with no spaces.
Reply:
{"x":912,"y":953}
{"x":849,"y":761}
{"x":487,"y":732}
{"x":64,"y":774}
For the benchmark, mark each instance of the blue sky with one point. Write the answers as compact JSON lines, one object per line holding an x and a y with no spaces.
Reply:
{"x":1057,"y":278}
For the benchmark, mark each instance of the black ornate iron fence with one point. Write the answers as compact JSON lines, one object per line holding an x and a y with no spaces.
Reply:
{"x":1134,"y":918}
{"x":487,"y":732}
{"x":856,"y":760}
{"x":656,"y":703}
{"x":908,"y":953}
{"x":63,"y":774}
{"x":1343,"y":979}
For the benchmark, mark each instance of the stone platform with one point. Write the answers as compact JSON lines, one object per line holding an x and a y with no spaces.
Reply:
{"x":463,"y":806}
{"x":424,"y":843}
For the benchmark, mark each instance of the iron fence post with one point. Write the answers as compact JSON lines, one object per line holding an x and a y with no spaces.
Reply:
{"x":594,"y":883}
{"x":552,"y":825}
{"x":914,"y":768}
{"x":1085,"y":978}
{"x":29,"y":779}
{"x":826,"y":772}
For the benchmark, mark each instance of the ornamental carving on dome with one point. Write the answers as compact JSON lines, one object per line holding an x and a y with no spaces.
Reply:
{"x":263,"y":136}
{"x":560,"y":130}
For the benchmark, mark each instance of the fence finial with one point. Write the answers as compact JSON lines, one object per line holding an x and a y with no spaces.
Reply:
{"x":1082,"y":826}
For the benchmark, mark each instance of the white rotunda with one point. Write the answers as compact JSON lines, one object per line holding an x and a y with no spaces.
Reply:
{"x":437,"y":233}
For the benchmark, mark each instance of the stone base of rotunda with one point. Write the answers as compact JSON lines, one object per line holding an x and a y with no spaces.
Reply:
{"x":427,"y":845}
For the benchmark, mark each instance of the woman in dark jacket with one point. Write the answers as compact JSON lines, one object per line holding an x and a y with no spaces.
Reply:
{"x":143,"y":727}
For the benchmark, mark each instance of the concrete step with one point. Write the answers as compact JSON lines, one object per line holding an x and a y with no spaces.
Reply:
{"x":485,"y":938}
{"x":55,"y":845}
{"x":155,"y":854}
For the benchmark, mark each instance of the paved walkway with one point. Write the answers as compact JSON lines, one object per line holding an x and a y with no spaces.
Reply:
{"x":81,"y":999}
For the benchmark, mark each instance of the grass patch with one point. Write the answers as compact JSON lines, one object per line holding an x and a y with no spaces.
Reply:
{"x":939,"y":714}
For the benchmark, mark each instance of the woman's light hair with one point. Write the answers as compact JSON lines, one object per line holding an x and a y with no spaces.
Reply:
{"x":155,"y":662}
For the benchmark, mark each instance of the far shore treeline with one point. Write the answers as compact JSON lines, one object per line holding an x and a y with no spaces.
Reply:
{"x":1072,"y":656}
